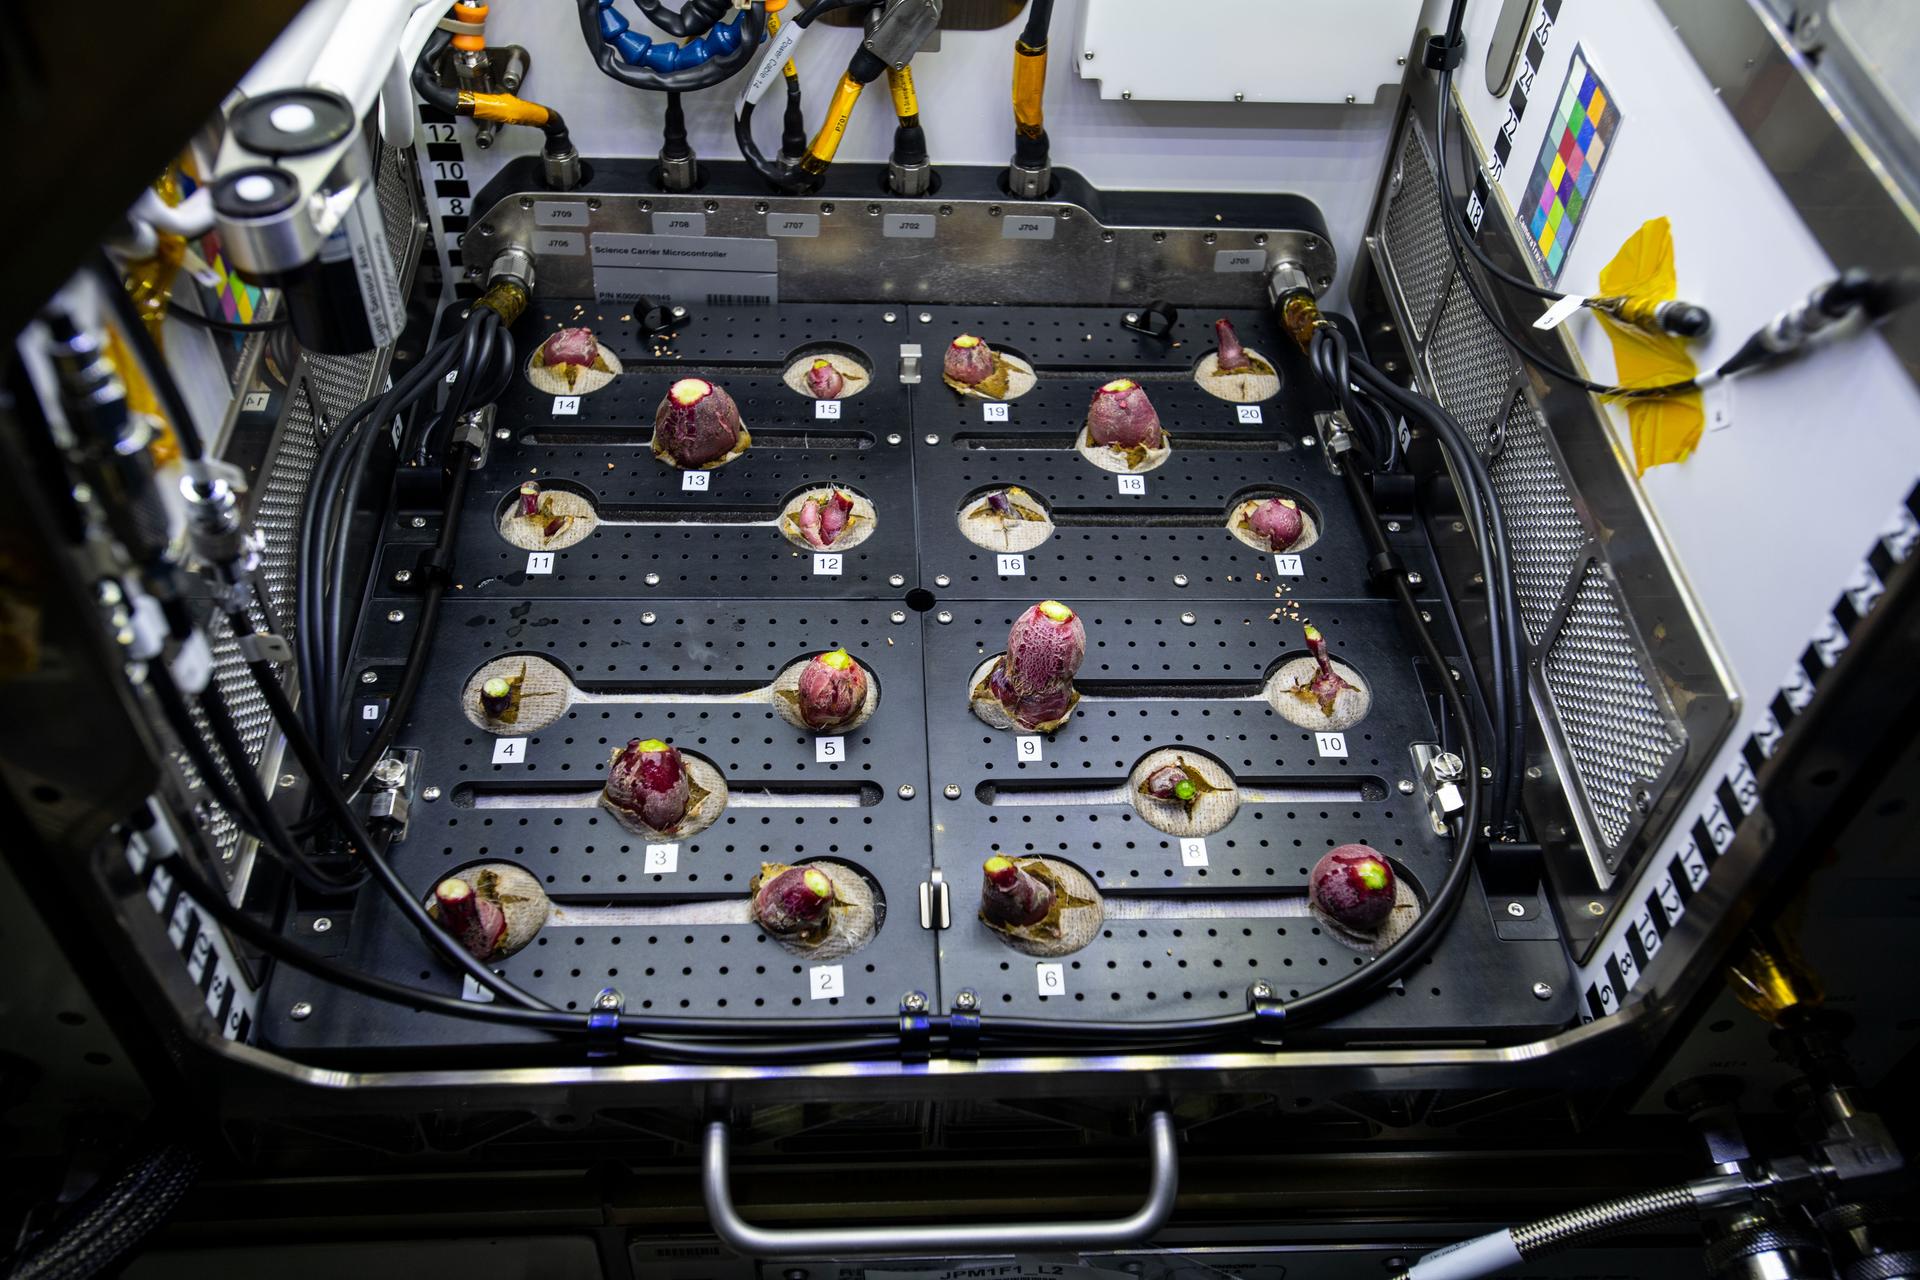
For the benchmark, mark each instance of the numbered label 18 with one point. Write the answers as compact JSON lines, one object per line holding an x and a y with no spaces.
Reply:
{"x":826,"y":982}
{"x":566,"y":406}
{"x":1136,"y":485}
{"x":1050,"y":979}
{"x":1011,"y":566}
{"x":994,"y":412}
{"x":662,"y":859}
{"x":829,"y":750}
{"x":539,"y":562}
{"x":1333,"y":745}
{"x":509,"y":750}
{"x":1027,"y":747}
{"x":1193,"y":852}
{"x":1248,"y":413}
{"x":695,"y":481}
{"x":826,"y":408}
{"x":827,"y":564}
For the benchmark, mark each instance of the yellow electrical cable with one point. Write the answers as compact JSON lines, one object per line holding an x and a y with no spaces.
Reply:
{"x":773,"y":29}
{"x":501,"y":107}
{"x":1029,"y":87}
{"x":906,"y":103}
{"x":839,"y":111}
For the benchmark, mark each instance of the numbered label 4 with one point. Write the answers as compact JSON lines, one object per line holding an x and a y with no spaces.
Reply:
{"x":1136,"y":485}
{"x":829,"y":750}
{"x":1193,"y":852}
{"x":994,"y":412}
{"x":1011,"y":566}
{"x":1333,"y":745}
{"x":1288,"y":566}
{"x":1249,"y":413}
{"x":1026,"y":747}
{"x":509,"y":750}
{"x":827,"y":563}
{"x":662,"y":859}
{"x":1050,"y":979}
{"x":695,"y":481}
{"x":826,"y":408}
{"x":566,"y":406}
{"x":539,"y":562}
{"x":826,"y":982}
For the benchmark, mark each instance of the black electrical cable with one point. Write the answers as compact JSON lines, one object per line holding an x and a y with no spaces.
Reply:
{"x":220,"y":325}
{"x":696,"y":17}
{"x":789,"y":179}
{"x":753,"y":28}
{"x":134,"y":330}
{"x":1039,"y":18}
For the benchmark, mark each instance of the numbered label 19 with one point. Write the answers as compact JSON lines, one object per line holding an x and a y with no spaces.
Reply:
{"x":1288,"y":566}
{"x":1136,"y":485}
{"x":829,"y":750}
{"x":826,"y":408}
{"x":994,"y":412}
{"x":566,"y":406}
{"x":1331,"y":745}
{"x":539,"y":562}
{"x":1050,"y":979}
{"x":1011,"y":566}
{"x":662,"y":859}
{"x":695,"y":481}
{"x":1026,"y":747}
{"x":827,"y":564}
{"x":509,"y":750}
{"x":1247,"y":413}
{"x":826,"y":982}
{"x":1193,"y":852}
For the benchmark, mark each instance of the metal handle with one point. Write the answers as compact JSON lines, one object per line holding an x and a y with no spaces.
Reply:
{"x":764,"y":1242}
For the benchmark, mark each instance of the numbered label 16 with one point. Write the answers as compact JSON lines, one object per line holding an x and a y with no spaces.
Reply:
{"x":1011,"y":566}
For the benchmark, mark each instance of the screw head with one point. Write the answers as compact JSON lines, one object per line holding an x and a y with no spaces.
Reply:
{"x":403,"y":575}
{"x":396,"y":615}
{"x":391,"y":771}
{"x":418,"y":522}
{"x":1596,"y":908}
{"x":943,"y":617}
{"x":889,"y":317}
{"x":873,"y":211}
{"x":1543,"y":991}
{"x":1261,"y":991}
{"x":943,"y":581}
{"x":1306,"y":442}
{"x":1515,"y":910}
{"x":526,"y":202}
{"x":914,"y":1002}
{"x":1393,"y":526}
{"x":906,"y":791}
{"x":647,"y":618}
{"x":1088,"y":55}
{"x":711,"y":206}
{"x":932,"y":438}
{"x":1187,"y":619}
{"x":1239,"y":97}
{"x":503,"y":433}
{"x":826,"y":207}
{"x":300,"y":1011}
{"x":1179,"y":579}
{"x":287,"y":780}
{"x":760,"y":206}
{"x":369,"y":677}
{"x":1133,"y":317}
{"x":896,"y":580}
{"x":893,"y":437}
{"x":679,"y":313}
{"x":898,"y":616}
{"x":322,"y":924}
{"x":926,"y":317}
{"x":1414,"y":579}
{"x":431,"y":793}
{"x":1534,"y":773}
{"x":1405,"y":786}
{"x":966,"y":1000}
{"x":951,"y":791}
{"x":1106,"y":237}
{"x":652,"y":579}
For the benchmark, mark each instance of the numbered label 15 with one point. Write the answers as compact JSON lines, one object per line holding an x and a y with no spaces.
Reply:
{"x":826,"y":408}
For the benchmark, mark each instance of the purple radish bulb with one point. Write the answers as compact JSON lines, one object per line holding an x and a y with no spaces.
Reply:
{"x":697,"y":423}
{"x":969,"y":361}
{"x":793,"y":901}
{"x":1044,"y":649}
{"x":530,"y":498}
{"x":1232,"y":357}
{"x":1279,"y":521}
{"x":570,"y":347}
{"x":479,"y":924}
{"x":1326,"y":686}
{"x":648,"y":781}
{"x":1121,"y":417}
{"x":1353,"y":886}
{"x":496,"y":697}
{"x":833,"y":689}
{"x":1171,"y":782}
{"x":825,"y":381}
{"x":1012,"y":896}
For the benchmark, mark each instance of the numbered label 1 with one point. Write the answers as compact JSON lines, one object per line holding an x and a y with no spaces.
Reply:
{"x":826,"y":982}
{"x":1288,"y":566}
{"x":1050,"y":979}
{"x":1011,"y":566}
{"x":1247,"y":413}
{"x":471,"y":990}
{"x":370,"y":711}
{"x":566,"y":406}
{"x":509,"y":750}
{"x":695,"y":481}
{"x":826,"y":408}
{"x":1193,"y":853}
{"x":994,"y":412}
{"x":1333,"y":745}
{"x":829,"y":750}
{"x":539,"y":562}
{"x":826,"y":563}
{"x":1026,"y":747}
{"x":662,"y":859}
{"x":1136,"y":485}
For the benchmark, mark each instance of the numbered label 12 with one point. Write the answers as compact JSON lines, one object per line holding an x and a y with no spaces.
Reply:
{"x":1026,"y":747}
{"x":662,"y":859}
{"x":1333,"y":745}
{"x":827,"y":563}
{"x":1050,"y":979}
{"x":509,"y":750}
{"x":829,"y":750}
{"x":1136,"y":485}
{"x":1011,"y":566}
{"x":826,"y":982}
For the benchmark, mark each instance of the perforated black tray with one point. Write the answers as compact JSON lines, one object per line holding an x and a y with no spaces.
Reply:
{"x":733,"y":607}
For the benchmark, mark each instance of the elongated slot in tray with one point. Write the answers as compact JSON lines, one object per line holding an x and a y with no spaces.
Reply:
{"x":850,"y":795}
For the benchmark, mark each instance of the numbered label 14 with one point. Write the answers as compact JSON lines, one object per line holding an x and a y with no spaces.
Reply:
{"x":566,"y":406}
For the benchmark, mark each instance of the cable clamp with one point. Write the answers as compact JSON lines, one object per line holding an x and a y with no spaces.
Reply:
{"x":916,"y":1030}
{"x":1263,"y":1002}
{"x":963,"y":1026}
{"x":434,"y":565}
{"x":603,"y":1023}
{"x":1384,"y":566}
{"x":1441,"y":56}
{"x":264,"y":646}
{"x":1156,"y":319}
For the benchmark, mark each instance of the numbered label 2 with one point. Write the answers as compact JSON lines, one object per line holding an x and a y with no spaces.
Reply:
{"x":695,"y":481}
{"x":1193,"y":852}
{"x":827,"y":563}
{"x":566,"y":406}
{"x":1026,"y":747}
{"x":539,"y":562}
{"x":829,"y":750}
{"x":1135,"y":485}
{"x":1331,"y":745}
{"x":509,"y":750}
{"x":1050,"y":979}
{"x":662,"y":859}
{"x":826,"y":982}
{"x":826,"y":408}
{"x":994,"y":412}
{"x":1014,"y":566}
{"x":1247,"y":413}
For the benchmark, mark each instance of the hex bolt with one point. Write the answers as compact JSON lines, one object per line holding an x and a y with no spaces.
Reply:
{"x":1133,"y":317}
{"x":942,"y":580}
{"x":1543,"y":991}
{"x":1515,"y":910}
{"x":396,"y":615}
{"x":1405,"y":786}
{"x":647,"y":619}
{"x":906,"y":791}
{"x":652,"y":579}
{"x":943,"y":617}
{"x":951,"y":791}
{"x":1187,"y":619}
{"x":760,"y":206}
{"x":1393,"y":526}
{"x":1179,"y":579}
{"x":403,"y":576}
{"x":322,"y":923}
{"x":826,"y":207}
{"x":896,"y":580}
{"x":369,"y":677}
{"x":898,"y":616}
{"x":1414,"y":579}
{"x":431,"y":793}
{"x":300,"y":1011}
{"x":503,"y":433}
{"x":391,"y":772}
{"x":288,"y":780}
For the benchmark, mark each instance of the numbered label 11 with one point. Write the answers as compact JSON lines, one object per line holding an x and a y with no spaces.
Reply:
{"x":662,"y":859}
{"x":1288,"y":566}
{"x":827,"y":563}
{"x":1193,"y":852}
{"x":826,"y":408}
{"x":1050,"y":979}
{"x":1026,"y":747}
{"x":566,"y":406}
{"x":1011,"y":566}
{"x":829,"y":750}
{"x":539,"y":562}
{"x":826,"y":982}
{"x":695,"y":481}
{"x":1247,"y":413}
{"x":509,"y":750}
{"x":993,"y":412}
{"x":1136,"y":485}
{"x":1332,"y":745}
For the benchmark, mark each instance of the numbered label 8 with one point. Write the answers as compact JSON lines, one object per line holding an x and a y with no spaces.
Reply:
{"x":1193,"y":852}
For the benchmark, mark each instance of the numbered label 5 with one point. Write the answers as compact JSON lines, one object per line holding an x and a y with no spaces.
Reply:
{"x":829,"y":750}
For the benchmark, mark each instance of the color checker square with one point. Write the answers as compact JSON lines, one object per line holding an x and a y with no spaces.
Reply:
{"x":1561,"y":185}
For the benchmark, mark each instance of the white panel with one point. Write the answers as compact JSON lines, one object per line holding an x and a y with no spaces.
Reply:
{"x":1244,"y":50}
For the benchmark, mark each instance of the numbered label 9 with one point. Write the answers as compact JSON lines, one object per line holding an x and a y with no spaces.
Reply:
{"x":1026,"y":747}
{"x":662,"y":859}
{"x":826,"y":982}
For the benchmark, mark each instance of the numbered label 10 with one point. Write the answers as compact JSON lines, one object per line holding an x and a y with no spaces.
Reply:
{"x":1026,"y":747}
{"x":826,"y":982}
{"x":1332,"y":745}
{"x":509,"y":750}
{"x":662,"y":859}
